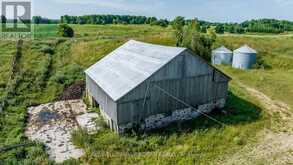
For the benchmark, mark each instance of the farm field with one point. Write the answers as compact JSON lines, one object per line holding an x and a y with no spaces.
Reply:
{"x":49,"y":64}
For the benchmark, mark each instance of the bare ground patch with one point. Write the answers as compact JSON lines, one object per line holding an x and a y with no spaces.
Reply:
{"x":272,"y":106}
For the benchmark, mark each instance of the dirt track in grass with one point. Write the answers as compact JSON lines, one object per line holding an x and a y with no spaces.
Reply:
{"x":274,"y":147}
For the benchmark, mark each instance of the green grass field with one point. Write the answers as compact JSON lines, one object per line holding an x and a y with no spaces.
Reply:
{"x":6,"y":54}
{"x":277,"y":55}
{"x":50,"y":63}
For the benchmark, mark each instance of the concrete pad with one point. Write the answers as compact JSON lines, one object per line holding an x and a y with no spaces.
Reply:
{"x":53,"y":123}
{"x":87,"y":121}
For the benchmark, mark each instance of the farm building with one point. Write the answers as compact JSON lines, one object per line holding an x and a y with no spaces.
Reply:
{"x":222,"y":55}
{"x":244,"y":58}
{"x":146,"y":86}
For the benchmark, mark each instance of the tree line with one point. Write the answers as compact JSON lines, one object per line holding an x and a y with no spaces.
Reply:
{"x":42,"y":20}
{"x":258,"y":26}
{"x":113,"y":19}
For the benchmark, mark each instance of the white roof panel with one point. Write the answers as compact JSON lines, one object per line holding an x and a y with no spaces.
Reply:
{"x":129,"y":65}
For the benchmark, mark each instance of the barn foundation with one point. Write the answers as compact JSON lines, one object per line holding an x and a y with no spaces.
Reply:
{"x":93,"y":103}
{"x":162,"y":120}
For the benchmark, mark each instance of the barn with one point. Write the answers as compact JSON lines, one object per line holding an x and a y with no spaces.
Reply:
{"x":146,"y":86}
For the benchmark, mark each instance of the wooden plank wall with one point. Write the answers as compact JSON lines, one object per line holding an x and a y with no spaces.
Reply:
{"x":186,"y":77}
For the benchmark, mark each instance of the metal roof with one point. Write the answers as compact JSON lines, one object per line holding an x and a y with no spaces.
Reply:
{"x":129,"y":65}
{"x":222,"y":49}
{"x":245,"y":49}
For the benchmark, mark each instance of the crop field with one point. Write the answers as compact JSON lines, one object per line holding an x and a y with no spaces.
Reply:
{"x":49,"y":64}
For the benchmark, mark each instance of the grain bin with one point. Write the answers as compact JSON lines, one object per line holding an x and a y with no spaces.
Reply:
{"x":222,"y":55}
{"x":244,"y":58}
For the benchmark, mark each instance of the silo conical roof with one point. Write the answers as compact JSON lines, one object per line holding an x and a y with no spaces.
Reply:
{"x":222,"y":49}
{"x":245,"y":49}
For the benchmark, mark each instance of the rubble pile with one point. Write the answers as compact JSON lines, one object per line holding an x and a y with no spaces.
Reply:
{"x":74,"y":91}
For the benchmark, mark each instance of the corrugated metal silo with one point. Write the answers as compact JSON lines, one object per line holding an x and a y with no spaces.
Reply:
{"x":244,"y":57}
{"x":222,"y":55}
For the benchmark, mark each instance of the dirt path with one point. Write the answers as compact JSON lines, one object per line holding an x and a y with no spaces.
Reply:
{"x":271,"y":106}
{"x":274,"y":147}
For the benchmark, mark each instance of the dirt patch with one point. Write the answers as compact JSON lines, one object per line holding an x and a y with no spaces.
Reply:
{"x":73,"y":92}
{"x":53,"y":123}
{"x":272,"y":106}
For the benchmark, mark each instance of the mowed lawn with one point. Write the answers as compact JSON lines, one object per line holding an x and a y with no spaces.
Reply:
{"x":50,"y":64}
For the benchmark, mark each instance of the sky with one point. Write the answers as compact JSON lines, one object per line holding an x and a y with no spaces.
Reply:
{"x":209,"y":10}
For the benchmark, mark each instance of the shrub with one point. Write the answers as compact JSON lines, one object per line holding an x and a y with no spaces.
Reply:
{"x":201,"y":45}
{"x":261,"y":63}
{"x":65,"y":30}
{"x":68,"y":75}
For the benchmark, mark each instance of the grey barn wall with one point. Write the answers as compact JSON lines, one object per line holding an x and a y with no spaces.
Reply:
{"x":105,"y":102}
{"x":196,"y":83}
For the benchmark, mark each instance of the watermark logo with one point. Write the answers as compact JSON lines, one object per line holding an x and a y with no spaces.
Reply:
{"x":16,"y":20}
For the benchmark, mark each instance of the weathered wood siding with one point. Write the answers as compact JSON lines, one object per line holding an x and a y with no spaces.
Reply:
{"x":105,"y":102}
{"x":187,"y":77}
